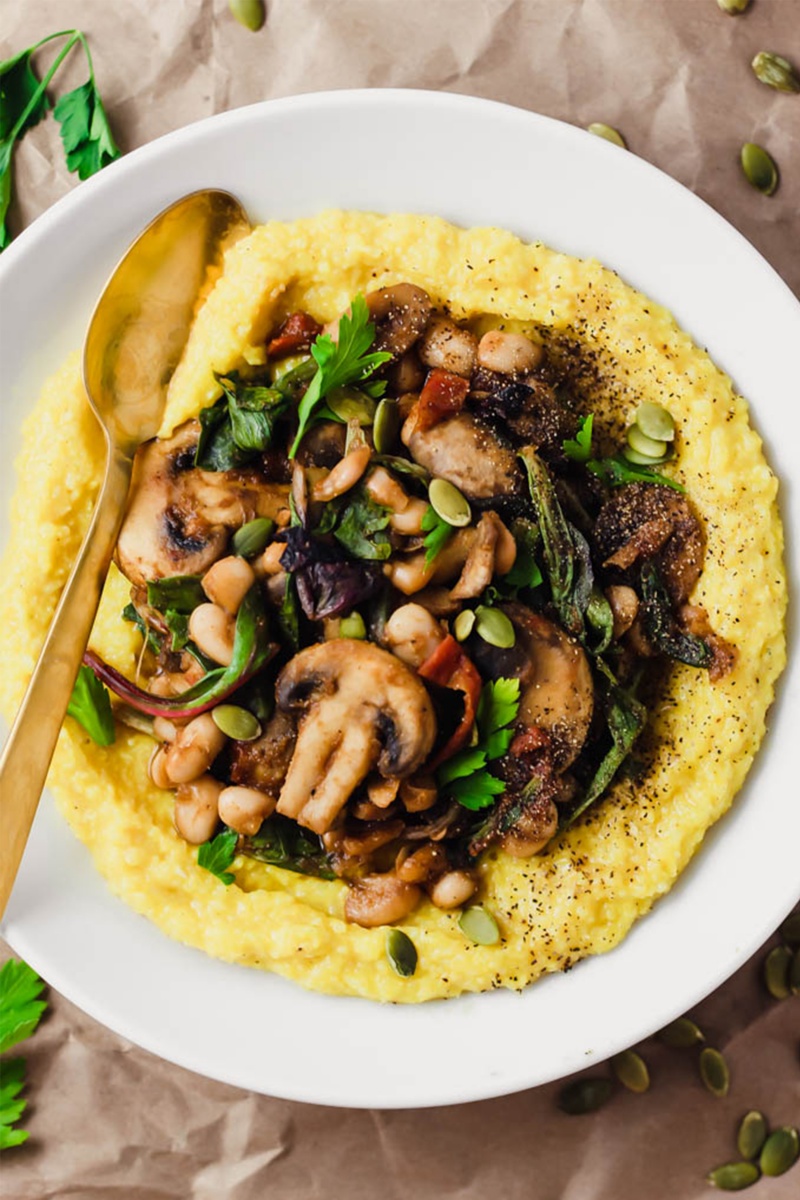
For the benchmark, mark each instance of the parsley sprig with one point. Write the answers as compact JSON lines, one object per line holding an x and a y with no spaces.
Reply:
{"x":85,"y":132}
{"x":343,"y":363}
{"x":218,"y":854}
{"x":465,"y":776}
{"x":20,"y":1013}
{"x":579,"y":448}
{"x":90,"y":706}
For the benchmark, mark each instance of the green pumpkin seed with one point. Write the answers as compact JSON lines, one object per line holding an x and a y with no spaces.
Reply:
{"x":251,"y":539}
{"x":759,"y":168}
{"x":654,"y":421}
{"x":631,"y":1070}
{"x":734,"y":7}
{"x":776,"y":72}
{"x":752,"y":1134}
{"x":714,"y":1071}
{"x":794,"y":974}
{"x":780,"y":1152}
{"x":350,"y":404}
{"x":250,"y":13}
{"x":401,"y":952}
{"x":733,"y":1177}
{"x":235,"y":722}
{"x":479,"y":926}
{"x":681,"y":1034}
{"x":641,"y":460}
{"x":776,"y":972}
{"x":585,"y":1096}
{"x":463,"y":624}
{"x":386,"y":426}
{"x":448,"y":503}
{"x":655,"y":451}
{"x":494,"y":627}
{"x":608,"y":132}
{"x":353,"y":626}
{"x":790,"y":930}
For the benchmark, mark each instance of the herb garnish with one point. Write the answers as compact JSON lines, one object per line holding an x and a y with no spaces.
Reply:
{"x":282,"y":843}
{"x":341,"y":364}
{"x":20,"y":1013}
{"x":218,"y":854}
{"x":437,"y":534}
{"x":617,"y":471}
{"x":579,"y":448}
{"x":85,"y":132}
{"x":361,"y":527}
{"x":465,"y":776}
{"x":240,"y":425}
{"x":90,"y":706}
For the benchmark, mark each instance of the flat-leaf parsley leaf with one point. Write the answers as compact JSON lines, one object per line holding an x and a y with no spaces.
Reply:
{"x":579,"y":448}
{"x":218,"y":854}
{"x":342,"y":363}
{"x":20,"y":1013}
{"x":465,"y":776}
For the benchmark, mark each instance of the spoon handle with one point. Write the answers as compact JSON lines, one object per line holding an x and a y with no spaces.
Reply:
{"x":32,"y":740}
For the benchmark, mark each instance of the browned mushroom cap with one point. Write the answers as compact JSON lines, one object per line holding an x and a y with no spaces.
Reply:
{"x":557,"y":692}
{"x":179,"y":517}
{"x":647,"y":520}
{"x":533,"y":830}
{"x":263,"y":763}
{"x":465,"y":451}
{"x":400,"y":314}
{"x":362,"y":708}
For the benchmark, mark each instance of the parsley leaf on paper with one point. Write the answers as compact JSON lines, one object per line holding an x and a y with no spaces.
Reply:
{"x":437,"y":534}
{"x":579,"y":448}
{"x":20,"y":1013}
{"x":465,"y":775}
{"x":85,"y":132}
{"x":86,"y":135}
{"x":91,"y":707}
{"x":218,"y":854}
{"x":341,"y":364}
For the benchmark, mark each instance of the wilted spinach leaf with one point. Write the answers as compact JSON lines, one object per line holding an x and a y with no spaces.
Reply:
{"x":362,"y":525}
{"x":282,"y":843}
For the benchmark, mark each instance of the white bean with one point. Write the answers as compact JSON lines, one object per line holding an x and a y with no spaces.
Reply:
{"x":453,"y":889}
{"x":344,"y":475}
{"x":196,"y":816}
{"x":157,"y":769}
{"x":445,"y":344}
{"x":412,"y":634}
{"x":409,"y":521}
{"x":227,"y":583}
{"x":508,"y":353}
{"x":244,"y":808}
{"x":212,"y":629}
{"x":194,"y":749}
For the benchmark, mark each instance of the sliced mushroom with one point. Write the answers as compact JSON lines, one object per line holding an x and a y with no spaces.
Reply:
{"x":646,"y":520}
{"x":484,"y":559}
{"x":465,"y":451}
{"x":179,"y":517}
{"x":400,"y":314}
{"x":362,"y":708}
{"x":534,"y":828}
{"x":557,"y":692}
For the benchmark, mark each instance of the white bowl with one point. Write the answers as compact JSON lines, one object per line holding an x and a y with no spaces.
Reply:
{"x":474,"y":162}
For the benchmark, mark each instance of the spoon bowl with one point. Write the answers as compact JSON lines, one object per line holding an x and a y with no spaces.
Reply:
{"x":135,"y":339}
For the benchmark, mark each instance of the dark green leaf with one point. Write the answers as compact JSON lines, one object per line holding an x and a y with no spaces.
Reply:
{"x":18,"y":86}
{"x":218,"y":854}
{"x":178,"y":625}
{"x":20,"y":1006}
{"x":283,"y":843}
{"x":557,"y":541}
{"x":525,"y":572}
{"x":662,"y":629}
{"x":180,"y":593}
{"x":90,"y":706}
{"x":579,"y":448}
{"x":289,"y":615}
{"x":625,"y":718}
{"x":216,"y":448}
{"x":85,"y":132}
{"x":361,"y":527}
{"x":132,"y":614}
{"x":616,"y":471}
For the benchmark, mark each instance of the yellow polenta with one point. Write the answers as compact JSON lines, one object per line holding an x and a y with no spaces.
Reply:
{"x":582,"y":896}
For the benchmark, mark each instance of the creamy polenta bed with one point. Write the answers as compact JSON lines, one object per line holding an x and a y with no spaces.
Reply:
{"x":443,"y":623}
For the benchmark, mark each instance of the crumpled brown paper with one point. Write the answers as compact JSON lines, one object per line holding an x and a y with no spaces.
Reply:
{"x":108,"y":1119}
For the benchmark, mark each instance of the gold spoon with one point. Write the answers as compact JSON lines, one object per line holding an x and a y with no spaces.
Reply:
{"x":135,"y":339}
